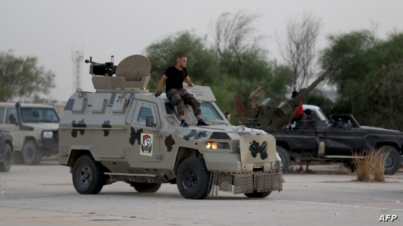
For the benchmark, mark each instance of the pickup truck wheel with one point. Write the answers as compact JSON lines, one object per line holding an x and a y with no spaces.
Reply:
{"x":285,"y":158}
{"x":146,"y":187}
{"x":257,"y":194}
{"x":193,"y":178}
{"x":6,"y":164}
{"x":393,"y":161}
{"x":31,"y":153}
{"x":88,"y":177}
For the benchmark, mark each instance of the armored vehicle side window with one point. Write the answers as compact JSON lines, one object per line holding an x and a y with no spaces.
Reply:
{"x":209,"y":112}
{"x":1,"y":115}
{"x":144,"y":112}
{"x":170,"y":109}
{"x":11,"y":116}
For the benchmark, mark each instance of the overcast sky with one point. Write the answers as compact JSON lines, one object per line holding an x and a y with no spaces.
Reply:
{"x":51,"y":29}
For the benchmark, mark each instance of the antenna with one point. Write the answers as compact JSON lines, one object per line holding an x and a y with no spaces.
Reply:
{"x":77,"y":58}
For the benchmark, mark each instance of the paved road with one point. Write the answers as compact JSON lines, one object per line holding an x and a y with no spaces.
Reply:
{"x":44,"y":195}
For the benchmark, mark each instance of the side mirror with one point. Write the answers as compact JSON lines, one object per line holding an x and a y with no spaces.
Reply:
{"x":150,"y":121}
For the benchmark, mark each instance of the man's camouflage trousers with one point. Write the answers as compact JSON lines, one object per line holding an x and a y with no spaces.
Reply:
{"x":179,"y":97}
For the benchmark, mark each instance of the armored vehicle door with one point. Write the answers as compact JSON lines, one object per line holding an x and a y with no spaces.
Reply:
{"x":148,"y":134}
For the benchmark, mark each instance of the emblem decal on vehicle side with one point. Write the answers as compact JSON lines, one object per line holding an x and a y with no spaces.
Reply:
{"x":255,"y":148}
{"x":146,"y":144}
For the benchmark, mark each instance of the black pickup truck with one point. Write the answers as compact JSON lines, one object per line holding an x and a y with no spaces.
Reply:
{"x":6,"y":150}
{"x":336,"y":139}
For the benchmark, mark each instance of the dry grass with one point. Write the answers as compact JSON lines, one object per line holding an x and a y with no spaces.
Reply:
{"x":378,"y":164}
{"x":362,"y":166}
{"x":373,"y":163}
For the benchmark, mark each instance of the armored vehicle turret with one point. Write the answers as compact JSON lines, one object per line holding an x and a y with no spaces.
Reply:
{"x":274,"y":113}
{"x":122,"y":132}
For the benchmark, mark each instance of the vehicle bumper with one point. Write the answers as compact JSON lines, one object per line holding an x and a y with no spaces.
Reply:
{"x":49,"y":145}
{"x":228,"y":174}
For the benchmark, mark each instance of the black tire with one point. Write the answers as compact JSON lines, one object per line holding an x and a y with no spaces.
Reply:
{"x":193,"y":178}
{"x":257,"y":194}
{"x":6,"y":164}
{"x":146,"y":187}
{"x":31,"y":153}
{"x":393,"y":161}
{"x":285,"y":158}
{"x":88,"y":176}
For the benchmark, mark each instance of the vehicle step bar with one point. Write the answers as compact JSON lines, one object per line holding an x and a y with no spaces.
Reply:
{"x":130,"y":174}
{"x":342,"y":157}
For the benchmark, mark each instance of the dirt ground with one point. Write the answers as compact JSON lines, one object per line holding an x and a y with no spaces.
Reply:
{"x":44,"y":195}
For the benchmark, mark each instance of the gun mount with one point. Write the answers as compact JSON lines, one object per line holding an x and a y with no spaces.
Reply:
{"x":274,"y":113}
{"x":132,"y":74}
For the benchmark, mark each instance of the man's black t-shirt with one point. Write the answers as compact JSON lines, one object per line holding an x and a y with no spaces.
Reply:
{"x":175,"y":78}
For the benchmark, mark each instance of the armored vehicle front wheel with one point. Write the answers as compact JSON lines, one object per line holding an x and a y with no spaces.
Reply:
{"x":31,"y":153}
{"x":88,"y":177}
{"x":285,"y":158}
{"x":6,"y":164}
{"x":193,"y":178}
{"x":393,"y":161}
{"x":257,"y":194}
{"x":146,"y":187}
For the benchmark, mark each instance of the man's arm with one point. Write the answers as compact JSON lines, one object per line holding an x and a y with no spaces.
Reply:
{"x":187,"y":80}
{"x":160,"y":84}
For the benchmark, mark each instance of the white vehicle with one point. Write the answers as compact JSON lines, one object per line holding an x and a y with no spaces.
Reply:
{"x":34,"y":128}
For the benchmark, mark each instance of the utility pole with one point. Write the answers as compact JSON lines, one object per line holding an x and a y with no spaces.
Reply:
{"x":77,"y":58}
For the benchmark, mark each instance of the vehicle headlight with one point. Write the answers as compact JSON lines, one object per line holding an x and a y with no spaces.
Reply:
{"x":217,"y":145}
{"x":211,"y":145}
{"x":47,"y":134}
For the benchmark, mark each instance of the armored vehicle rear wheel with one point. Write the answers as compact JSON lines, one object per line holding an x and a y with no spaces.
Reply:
{"x":393,"y":161}
{"x":193,"y":178}
{"x":88,"y":177}
{"x":285,"y":158}
{"x":6,"y":164}
{"x":146,"y":187}
{"x":31,"y":153}
{"x":257,"y":194}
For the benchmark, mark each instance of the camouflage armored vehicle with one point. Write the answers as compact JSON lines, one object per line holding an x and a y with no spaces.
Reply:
{"x":122,"y":132}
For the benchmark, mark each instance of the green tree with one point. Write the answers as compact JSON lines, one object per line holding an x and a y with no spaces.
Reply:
{"x":202,"y":62}
{"x":233,"y":66}
{"x":243,"y":63}
{"x":370,"y":81}
{"x":21,"y":77}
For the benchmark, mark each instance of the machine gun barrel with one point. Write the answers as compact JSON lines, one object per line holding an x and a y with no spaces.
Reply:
{"x":305,"y":92}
